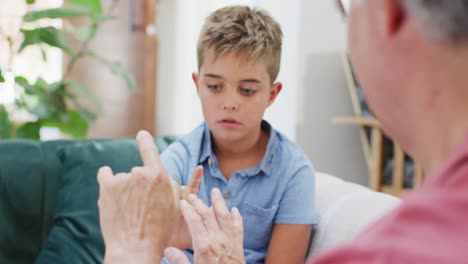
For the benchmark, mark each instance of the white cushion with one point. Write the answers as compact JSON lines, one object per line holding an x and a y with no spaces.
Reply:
{"x":345,"y":209}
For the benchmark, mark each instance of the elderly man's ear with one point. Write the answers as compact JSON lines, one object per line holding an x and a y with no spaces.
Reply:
{"x":388,"y":16}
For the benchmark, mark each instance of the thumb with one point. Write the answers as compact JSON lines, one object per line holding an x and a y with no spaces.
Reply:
{"x":194,"y":183}
{"x":176,"y":256}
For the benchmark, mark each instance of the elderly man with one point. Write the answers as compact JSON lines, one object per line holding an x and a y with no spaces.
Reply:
{"x":411,"y":57}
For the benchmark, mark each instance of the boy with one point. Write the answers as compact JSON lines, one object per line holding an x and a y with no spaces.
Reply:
{"x":258,"y":170}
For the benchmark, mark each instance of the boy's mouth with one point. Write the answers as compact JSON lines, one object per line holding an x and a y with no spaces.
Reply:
{"x":229,"y":121}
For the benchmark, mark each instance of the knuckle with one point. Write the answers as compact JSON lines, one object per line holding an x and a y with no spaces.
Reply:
{"x":155,"y":171}
{"x":136,"y":170}
{"x":184,"y":192}
{"x":223,"y":244}
{"x":224,"y":215}
{"x":142,"y":174}
{"x":158,"y":179}
{"x":205,"y":213}
{"x":206,"y":250}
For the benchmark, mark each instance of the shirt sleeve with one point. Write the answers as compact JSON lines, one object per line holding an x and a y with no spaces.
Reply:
{"x":297,"y":205}
{"x":346,"y":255}
{"x":174,"y":160}
{"x":394,"y":251}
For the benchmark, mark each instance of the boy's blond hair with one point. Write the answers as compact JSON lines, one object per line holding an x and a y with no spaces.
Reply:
{"x":240,"y":29}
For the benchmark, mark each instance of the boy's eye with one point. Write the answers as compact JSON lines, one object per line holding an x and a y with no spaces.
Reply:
{"x":214,"y":87}
{"x":247,"y":91}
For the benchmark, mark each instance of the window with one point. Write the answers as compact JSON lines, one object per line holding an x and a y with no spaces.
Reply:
{"x":30,"y":63}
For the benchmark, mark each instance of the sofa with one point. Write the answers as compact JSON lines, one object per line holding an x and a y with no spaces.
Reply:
{"x":48,"y":200}
{"x":345,"y":209}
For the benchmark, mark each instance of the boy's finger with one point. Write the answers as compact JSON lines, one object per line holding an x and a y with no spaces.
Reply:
{"x":148,"y":151}
{"x":176,"y":256}
{"x":194,"y":183}
{"x":184,"y":192}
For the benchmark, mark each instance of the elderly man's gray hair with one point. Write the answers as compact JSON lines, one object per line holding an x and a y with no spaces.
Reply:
{"x":443,"y":20}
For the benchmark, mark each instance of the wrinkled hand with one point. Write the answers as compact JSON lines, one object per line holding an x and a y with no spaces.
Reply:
{"x":217,"y":234}
{"x":137,"y":209}
{"x":181,"y":236}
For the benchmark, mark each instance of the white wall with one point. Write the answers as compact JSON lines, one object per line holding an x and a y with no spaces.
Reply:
{"x":179,"y":109}
{"x":324,"y":95}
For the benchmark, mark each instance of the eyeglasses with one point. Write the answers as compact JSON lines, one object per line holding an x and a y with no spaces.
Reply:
{"x":344,"y":6}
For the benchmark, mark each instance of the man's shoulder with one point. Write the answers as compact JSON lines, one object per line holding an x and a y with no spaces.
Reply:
{"x":427,"y":227}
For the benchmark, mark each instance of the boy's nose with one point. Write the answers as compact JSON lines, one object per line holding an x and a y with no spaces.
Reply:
{"x":230,"y":100}
{"x":230,"y":107}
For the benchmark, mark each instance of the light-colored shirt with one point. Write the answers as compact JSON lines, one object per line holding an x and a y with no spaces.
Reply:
{"x":430,"y":226}
{"x":280,"y":189}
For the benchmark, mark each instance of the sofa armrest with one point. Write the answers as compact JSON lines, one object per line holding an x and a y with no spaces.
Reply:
{"x":345,"y":209}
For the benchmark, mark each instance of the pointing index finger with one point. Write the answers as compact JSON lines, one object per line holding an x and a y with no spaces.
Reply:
{"x":148,"y":151}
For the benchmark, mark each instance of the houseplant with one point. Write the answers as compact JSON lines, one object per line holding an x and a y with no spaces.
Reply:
{"x":64,"y":104}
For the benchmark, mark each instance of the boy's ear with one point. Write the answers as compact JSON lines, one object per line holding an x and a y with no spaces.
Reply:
{"x":275,"y":90}
{"x":195,"y":79}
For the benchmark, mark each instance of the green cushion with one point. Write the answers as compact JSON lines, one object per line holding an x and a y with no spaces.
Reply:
{"x":29,"y":173}
{"x":75,"y":236}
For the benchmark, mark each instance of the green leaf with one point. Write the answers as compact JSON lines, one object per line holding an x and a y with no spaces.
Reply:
{"x":40,"y":87}
{"x":56,"y":87}
{"x":2,"y":79}
{"x":49,"y":35}
{"x":28,"y":88}
{"x":29,"y":130}
{"x":41,"y":84}
{"x":83,"y":91}
{"x":30,"y":2}
{"x":61,"y":12}
{"x":48,"y":105}
{"x":5,"y":123}
{"x":116,"y":68}
{"x":42,"y":99}
{"x":93,"y":5}
{"x":73,"y":124}
{"x":87,"y":114}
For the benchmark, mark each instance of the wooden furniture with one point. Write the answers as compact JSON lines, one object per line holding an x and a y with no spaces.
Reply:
{"x":372,"y":139}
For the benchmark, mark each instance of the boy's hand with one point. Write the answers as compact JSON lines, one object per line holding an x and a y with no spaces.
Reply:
{"x":193,"y":186}
{"x":181,"y":237}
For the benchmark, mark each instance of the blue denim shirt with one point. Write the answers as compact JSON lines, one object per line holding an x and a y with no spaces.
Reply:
{"x":279,"y":190}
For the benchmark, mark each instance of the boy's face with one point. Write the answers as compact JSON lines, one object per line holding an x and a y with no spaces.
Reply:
{"x":234,"y":93}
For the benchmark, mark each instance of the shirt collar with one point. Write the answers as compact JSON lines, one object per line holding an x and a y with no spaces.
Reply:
{"x":206,"y":149}
{"x":264,"y":164}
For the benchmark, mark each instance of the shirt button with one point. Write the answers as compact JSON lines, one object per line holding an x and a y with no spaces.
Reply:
{"x":227,"y":195}
{"x":210,"y":161}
